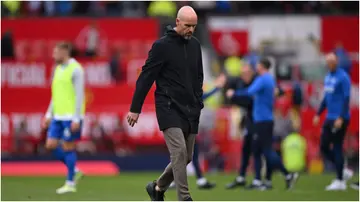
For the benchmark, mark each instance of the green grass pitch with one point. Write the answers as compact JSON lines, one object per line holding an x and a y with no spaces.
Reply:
{"x":131,"y":187}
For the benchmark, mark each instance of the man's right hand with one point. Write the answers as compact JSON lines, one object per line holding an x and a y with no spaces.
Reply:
{"x":220,"y":81}
{"x":316,"y":120}
{"x":45,"y":123}
{"x":132,"y":118}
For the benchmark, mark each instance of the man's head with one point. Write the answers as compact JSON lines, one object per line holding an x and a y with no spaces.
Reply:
{"x":247,"y":73}
{"x":61,"y":52}
{"x":186,"y":22}
{"x":263,"y":65}
{"x":331,"y":61}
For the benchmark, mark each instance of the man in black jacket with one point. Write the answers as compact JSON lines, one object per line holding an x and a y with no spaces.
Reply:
{"x":175,"y":64}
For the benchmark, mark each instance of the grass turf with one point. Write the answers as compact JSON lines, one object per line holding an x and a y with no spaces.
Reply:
{"x":131,"y":187}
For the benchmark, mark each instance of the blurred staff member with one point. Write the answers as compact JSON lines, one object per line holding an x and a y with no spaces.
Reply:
{"x":294,"y":152}
{"x":11,"y":7}
{"x":336,"y":99}
{"x":162,"y":9}
{"x":233,"y":65}
{"x":263,"y":90}
{"x":248,"y":76}
{"x":344,"y":61}
{"x":175,"y":63}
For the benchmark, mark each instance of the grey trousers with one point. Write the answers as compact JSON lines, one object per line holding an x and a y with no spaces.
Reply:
{"x":181,"y":148}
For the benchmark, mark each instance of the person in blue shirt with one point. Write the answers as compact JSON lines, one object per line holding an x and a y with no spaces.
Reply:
{"x":337,"y":87}
{"x":262,"y":90}
{"x":248,"y":76}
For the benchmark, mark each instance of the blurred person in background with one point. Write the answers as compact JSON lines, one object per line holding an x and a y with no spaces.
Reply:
{"x":7,"y":45}
{"x":202,"y":182}
{"x":253,"y":57}
{"x":247,"y":77}
{"x":263,"y":90}
{"x":49,"y":8}
{"x":88,"y":40}
{"x":20,"y":134}
{"x":65,"y":113}
{"x":64,"y":8}
{"x":283,"y":126}
{"x":165,"y":11}
{"x":162,"y":9}
{"x":233,"y":65}
{"x":344,"y":61}
{"x":134,"y":9}
{"x":10,"y":8}
{"x":102,"y":142}
{"x":293,"y":149}
{"x":336,"y":100}
{"x":114,"y":66}
{"x":34,"y":8}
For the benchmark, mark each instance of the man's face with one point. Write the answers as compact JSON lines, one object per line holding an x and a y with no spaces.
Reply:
{"x":186,"y":27}
{"x":59,"y":55}
{"x":247,"y":73}
{"x":260,"y":67}
{"x":331,"y":61}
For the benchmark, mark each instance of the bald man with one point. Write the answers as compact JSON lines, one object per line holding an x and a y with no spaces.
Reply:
{"x":336,"y":99}
{"x":175,"y":64}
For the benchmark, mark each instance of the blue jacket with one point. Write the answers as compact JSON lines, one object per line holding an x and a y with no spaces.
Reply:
{"x":262,"y":89}
{"x":337,"y":87}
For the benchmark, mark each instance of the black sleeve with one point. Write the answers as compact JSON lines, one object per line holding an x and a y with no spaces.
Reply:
{"x":231,"y":83}
{"x":147,"y":76}
{"x":242,"y":101}
{"x":199,"y":87}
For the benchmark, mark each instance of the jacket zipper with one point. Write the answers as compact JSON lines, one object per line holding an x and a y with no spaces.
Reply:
{"x":185,"y":51}
{"x":169,"y":101}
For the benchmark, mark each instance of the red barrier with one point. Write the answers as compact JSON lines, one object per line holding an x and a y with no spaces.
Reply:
{"x":91,"y":168}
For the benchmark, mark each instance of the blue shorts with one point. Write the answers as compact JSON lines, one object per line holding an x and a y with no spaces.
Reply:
{"x":62,"y":130}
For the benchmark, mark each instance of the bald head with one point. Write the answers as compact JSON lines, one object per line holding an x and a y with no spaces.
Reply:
{"x":331,"y":61}
{"x":186,"y":22}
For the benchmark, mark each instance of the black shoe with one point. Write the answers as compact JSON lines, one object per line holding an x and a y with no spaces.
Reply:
{"x":235,"y":184}
{"x":154,"y":195}
{"x":290,"y":182}
{"x":188,"y":199}
{"x":355,"y":185}
{"x":207,"y":185}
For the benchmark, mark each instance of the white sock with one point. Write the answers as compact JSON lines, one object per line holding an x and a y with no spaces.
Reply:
{"x":201,"y":181}
{"x":256,"y":182}
{"x":288,"y":176}
{"x":77,"y":169}
{"x":240,"y":179}
{"x":70,"y":183}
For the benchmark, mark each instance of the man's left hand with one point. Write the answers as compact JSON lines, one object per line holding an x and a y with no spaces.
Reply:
{"x":338,"y":123}
{"x":75,"y":126}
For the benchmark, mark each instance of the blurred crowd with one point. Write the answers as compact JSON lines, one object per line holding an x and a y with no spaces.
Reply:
{"x":169,"y":8}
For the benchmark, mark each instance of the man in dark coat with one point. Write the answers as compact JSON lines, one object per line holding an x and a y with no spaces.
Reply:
{"x":175,"y":64}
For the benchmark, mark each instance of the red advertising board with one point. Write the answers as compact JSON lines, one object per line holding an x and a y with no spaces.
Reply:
{"x":229,"y":35}
{"x":34,"y":38}
{"x":344,"y":30}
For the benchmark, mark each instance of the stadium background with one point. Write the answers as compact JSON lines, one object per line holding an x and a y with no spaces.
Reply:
{"x":111,"y":40}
